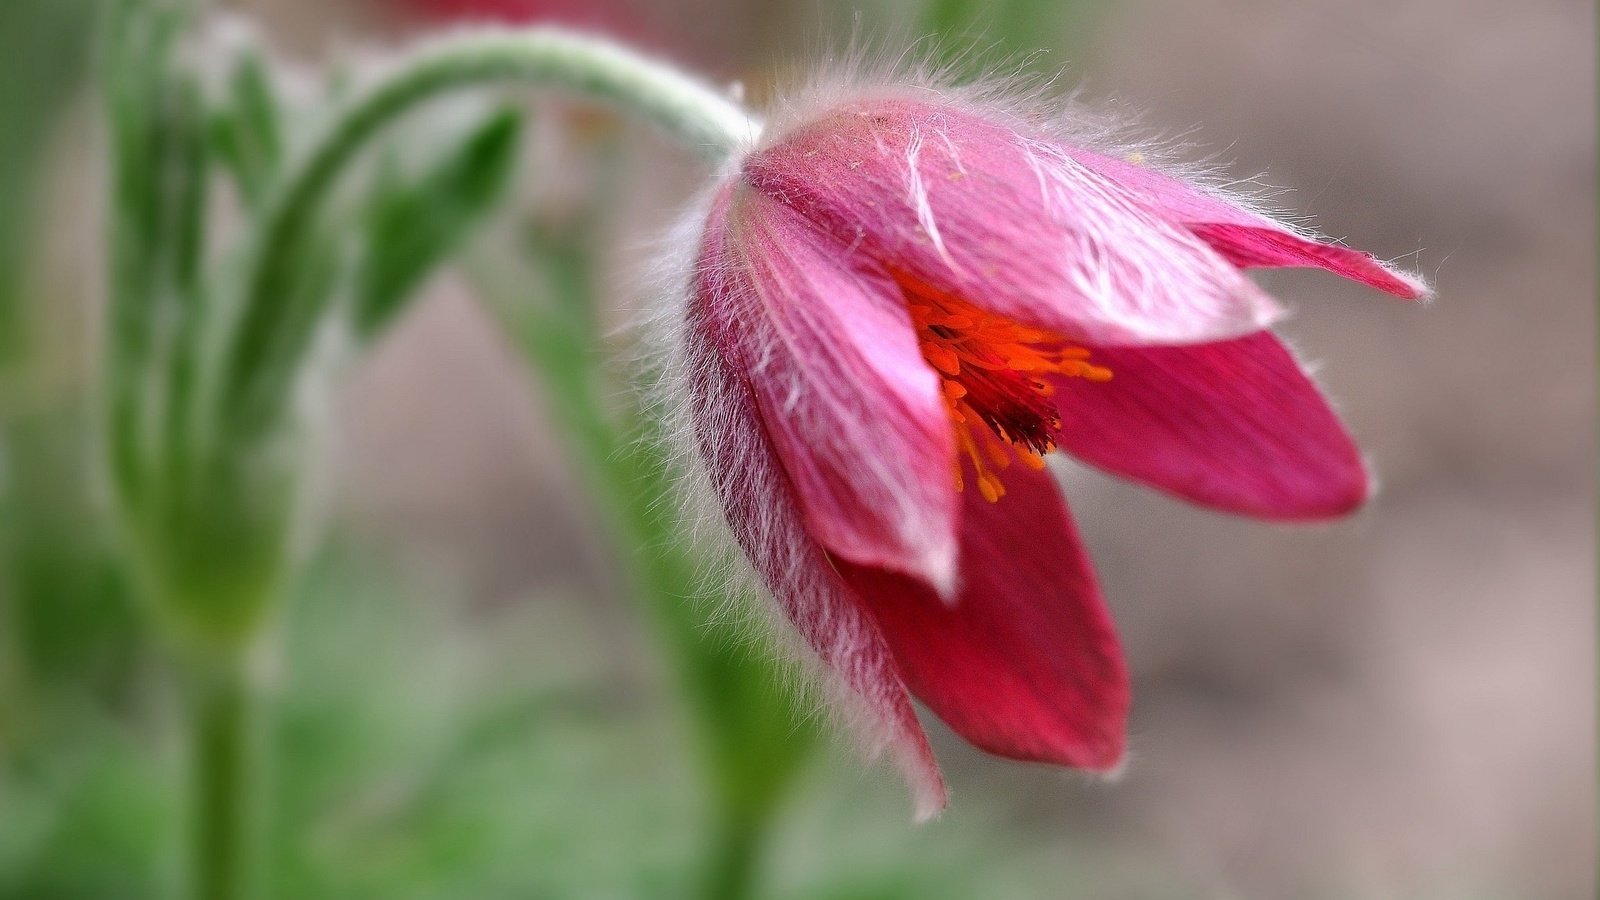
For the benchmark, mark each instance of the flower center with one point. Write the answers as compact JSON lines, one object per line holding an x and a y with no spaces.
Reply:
{"x":993,"y":371}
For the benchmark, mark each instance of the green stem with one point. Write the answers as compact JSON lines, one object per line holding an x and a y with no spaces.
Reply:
{"x":737,"y":851}
{"x":753,"y":738}
{"x":752,"y":742}
{"x":223,"y":766}
{"x":272,"y":329}
{"x":545,"y":58}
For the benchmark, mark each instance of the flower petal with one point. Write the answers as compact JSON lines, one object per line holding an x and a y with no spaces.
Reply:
{"x":975,"y":209}
{"x":759,"y":503}
{"x":1246,"y":238}
{"x":1025,"y":663}
{"x":1234,"y":425}
{"x":854,"y":412}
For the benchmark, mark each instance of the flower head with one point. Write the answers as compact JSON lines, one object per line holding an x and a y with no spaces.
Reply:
{"x":902,"y":303}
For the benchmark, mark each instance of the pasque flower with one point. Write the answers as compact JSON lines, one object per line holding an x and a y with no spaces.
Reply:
{"x":903,"y":302}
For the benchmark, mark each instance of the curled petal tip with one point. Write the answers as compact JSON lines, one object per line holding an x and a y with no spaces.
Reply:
{"x":1410,"y":286}
{"x":1244,"y":237}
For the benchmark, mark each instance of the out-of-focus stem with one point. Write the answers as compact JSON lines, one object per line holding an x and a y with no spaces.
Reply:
{"x":223,"y":766}
{"x":699,"y":116}
{"x":266,"y":341}
{"x":752,"y":740}
{"x":736,"y":851}
{"x":627,"y":472}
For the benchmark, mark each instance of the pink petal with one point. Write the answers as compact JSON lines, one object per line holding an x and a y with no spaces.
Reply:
{"x":1247,"y":238}
{"x":853,"y":411}
{"x":1025,"y":663}
{"x":760,"y":507}
{"x":1234,"y":425}
{"x":975,"y":209}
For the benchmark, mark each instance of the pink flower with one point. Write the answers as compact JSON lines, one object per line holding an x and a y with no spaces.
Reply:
{"x":900,"y":306}
{"x":616,"y":17}
{"x":496,"y":10}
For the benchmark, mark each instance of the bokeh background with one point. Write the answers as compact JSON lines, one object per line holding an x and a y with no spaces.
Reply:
{"x":1397,"y":706}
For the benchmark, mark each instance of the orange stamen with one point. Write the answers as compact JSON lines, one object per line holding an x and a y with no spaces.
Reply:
{"x":991,"y":369}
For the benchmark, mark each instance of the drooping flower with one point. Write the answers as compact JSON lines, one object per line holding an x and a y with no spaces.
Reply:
{"x":902,"y":303}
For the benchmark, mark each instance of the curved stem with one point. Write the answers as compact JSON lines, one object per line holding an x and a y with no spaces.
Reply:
{"x":545,"y":58}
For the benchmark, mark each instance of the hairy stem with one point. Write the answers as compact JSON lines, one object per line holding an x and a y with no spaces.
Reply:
{"x":700,"y":117}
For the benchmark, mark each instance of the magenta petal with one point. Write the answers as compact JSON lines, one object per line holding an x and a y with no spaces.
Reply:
{"x":759,"y":505}
{"x":853,"y":411}
{"x":1025,"y":663}
{"x":1246,"y":238}
{"x":1234,"y":425}
{"x":975,"y":209}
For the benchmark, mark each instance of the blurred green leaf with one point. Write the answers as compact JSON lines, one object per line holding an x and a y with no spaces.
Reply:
{"x":424,"y":751}
{"x":406,"y":227}
{"x":247,"y":131}
{"x":753,"y":733}
{"x":67,"y":630}
{"x":87,"y":816}
{"x":73,"y":620}
{"x":411,"y":227}
{"x":204,"y":520}
{"x":43,"y":57}
{"x":160,"y":162}
{"x":314,"y":269}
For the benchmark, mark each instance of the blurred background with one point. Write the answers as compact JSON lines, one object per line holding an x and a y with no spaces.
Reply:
{"x":471,"y":704}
